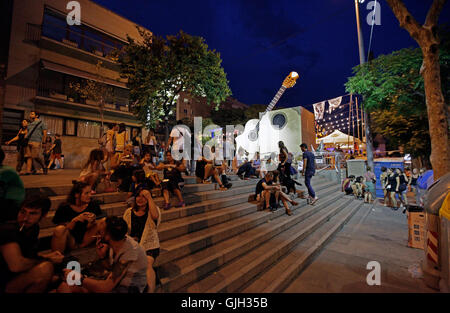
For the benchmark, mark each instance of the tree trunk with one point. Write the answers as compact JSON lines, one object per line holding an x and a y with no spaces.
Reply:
{"x":426,"y":36}
{"x":166,"y":131}
{"x":437,"y":113}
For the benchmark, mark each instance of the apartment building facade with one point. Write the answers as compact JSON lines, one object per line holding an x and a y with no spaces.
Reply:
{"x":47,"y":57}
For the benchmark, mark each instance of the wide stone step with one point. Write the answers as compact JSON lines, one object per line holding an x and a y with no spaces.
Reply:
{"x":117,"y":208}
{"x":122,"y":196}
{"x":197,"y":222}
{"x":278,"y":278}
{"x":187,"y":244}
{"x":54,"y":189}
{"x":184,"y":271}
{"x":235,"y":274}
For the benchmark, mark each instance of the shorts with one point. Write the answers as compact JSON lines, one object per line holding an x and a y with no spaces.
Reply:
{"x":33,"y":150}
{"x":170,"y":185}
{"x":154,"y":253}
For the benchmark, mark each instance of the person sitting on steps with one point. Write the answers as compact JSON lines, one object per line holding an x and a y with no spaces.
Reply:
{"x":268,"y":195}
{"x":77,"y":220}
{"x":22,"y":268}
{"x":172,"y":177}
{"x":143,"y":219}
{"x":148,"y":166}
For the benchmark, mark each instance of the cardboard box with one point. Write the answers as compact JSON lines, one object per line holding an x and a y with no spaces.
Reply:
{"x":416,"y":234}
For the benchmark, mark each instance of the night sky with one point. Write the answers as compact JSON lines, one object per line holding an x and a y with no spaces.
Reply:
{"x":261,"y":41}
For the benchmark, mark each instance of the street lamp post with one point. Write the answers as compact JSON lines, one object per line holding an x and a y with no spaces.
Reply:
{"x":369,"y":150}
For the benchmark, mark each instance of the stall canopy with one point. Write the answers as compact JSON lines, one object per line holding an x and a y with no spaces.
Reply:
{"x":337,"y":137}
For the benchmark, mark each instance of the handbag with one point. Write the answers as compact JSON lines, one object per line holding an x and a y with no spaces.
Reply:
{"x":26,"y":139}
{"x":402,"y":187}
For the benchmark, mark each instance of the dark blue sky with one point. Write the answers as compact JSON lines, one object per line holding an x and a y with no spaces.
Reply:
{"x":261,"y":41}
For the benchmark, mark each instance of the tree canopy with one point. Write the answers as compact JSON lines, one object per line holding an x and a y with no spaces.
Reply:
{"x":158,"y":69}
{"x":394,"y":94}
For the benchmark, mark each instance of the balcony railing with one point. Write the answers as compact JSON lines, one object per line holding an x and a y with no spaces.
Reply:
{"x":33,"y":32}
{"x":113,"y":103}
{"x":73,"y":38}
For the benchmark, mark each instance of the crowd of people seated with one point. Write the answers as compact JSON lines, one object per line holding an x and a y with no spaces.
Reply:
{"x":126,"y":246}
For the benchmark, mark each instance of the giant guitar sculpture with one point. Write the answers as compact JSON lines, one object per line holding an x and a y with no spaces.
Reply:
{"x":249,"y":139}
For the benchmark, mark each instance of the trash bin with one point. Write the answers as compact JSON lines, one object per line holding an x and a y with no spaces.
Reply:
{"x":444,"y":240}
{"x":356,"y":167}
{"x":434,"y":198}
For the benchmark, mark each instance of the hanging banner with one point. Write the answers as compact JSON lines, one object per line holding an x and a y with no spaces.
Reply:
{"x":334,"y":104}
{"x":319,"y":109}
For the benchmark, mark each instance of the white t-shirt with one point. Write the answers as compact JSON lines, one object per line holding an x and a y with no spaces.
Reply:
{"x":180,"y":134}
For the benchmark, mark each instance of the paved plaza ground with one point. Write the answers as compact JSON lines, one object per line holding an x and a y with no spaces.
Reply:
{"x":374,"y":233}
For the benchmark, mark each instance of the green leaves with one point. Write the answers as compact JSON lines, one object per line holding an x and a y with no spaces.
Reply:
{"x":159,"y":69}
{"x":394,"y":93}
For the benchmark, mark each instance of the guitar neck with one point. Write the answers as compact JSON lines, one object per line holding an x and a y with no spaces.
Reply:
{"x":275,"y":99}
{"x":272,"y":103}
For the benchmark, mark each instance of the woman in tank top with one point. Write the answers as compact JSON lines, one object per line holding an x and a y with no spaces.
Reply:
{"x":391,"y":187}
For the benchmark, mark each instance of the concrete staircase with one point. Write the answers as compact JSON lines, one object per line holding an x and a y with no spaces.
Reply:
{"x":220,"y":242}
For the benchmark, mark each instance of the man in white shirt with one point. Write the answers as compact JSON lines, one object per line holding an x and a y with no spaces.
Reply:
{"x":180,"y":139}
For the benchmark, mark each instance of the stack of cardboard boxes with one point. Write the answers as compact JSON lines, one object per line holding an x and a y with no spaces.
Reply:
{"x":416,"y":223}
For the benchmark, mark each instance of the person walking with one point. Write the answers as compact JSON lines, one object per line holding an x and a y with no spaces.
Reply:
{"x":309,"y":169}
{"x":21,"y":144}
{"x":36,"y":136}
{"x":56,"y":151}
{"x":393,"y":182}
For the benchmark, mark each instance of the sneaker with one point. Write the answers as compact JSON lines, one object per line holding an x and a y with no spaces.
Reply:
{"x":314,"y":201}
{"x":167,"y":206}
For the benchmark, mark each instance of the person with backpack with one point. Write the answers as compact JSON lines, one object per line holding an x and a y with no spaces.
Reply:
{"x":424,"y":181}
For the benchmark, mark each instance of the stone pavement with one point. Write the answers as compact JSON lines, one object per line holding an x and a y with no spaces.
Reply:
{"x":53,"y":178}
{"x":375,"y":233}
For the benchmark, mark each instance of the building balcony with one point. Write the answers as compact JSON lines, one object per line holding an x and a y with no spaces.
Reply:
{"x":73,"y":44}
{"x":115,"y":106}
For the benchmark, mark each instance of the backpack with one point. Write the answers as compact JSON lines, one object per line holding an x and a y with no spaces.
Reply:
{"x":425,"y":181}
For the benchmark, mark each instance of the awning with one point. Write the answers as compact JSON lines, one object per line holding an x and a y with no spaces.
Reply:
{"x":48,"y":65}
